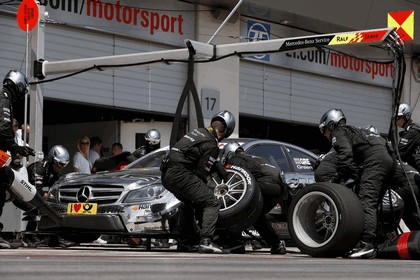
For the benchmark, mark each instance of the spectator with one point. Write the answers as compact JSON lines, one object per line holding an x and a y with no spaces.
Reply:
{"x":25,"y":132}
{"x":17,"y":132}
{"x":116,"y":149}
{"x":95,"y":150}
{"x":184,"y":173}
{"x":81,"y":161}
{"x":271,"y":185}
{"x":353,"y":146}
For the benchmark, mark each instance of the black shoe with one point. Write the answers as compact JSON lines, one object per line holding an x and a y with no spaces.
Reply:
{"x":365,"y":251}
{"x":4,"y":244}
{"x":63,"y":243}
{"x":278,"y":249}
{"x":239,"y":249}
{"x":55,"y":241}
{"x":161,"y":243}
{"x":208,"y":247}
{"x":256,"y":245}
{"x":186,"y":248}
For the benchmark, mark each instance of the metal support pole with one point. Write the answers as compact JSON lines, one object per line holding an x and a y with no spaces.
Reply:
{"x":35,"y":90}
{"x":226,"y":20}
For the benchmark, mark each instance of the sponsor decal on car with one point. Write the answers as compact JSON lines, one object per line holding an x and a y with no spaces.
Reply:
{"x":82,"y":208}
{"x":303,"y":163}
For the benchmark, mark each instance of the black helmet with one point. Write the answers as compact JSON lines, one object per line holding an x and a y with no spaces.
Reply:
{"x":331,"y":119}
{"x":228,"y":121}
{"x":229,"y":151}
{"x":404,"y":110}
{"x":59,"y":154}
{"x":152,"y":137}
{"x":17,"y":83}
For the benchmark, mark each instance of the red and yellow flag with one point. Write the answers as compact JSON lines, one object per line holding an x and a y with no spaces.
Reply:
{"x":404,"y":22}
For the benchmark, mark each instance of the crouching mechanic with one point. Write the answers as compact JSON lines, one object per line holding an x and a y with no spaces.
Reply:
{"x":271,"y":185}
{"x":184,"y":173}
{"x":15,"y":86}
{"x":43,"y":174}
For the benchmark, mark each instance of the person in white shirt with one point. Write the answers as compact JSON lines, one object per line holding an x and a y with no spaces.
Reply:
{"x":95,"y":151}
{"x":81,"y":161}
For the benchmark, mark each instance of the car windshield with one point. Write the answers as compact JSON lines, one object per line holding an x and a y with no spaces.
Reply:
{"x":154,"y":159}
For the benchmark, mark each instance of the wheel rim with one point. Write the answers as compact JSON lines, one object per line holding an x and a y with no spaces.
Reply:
{"x":231,"y":192}
{"x":315,"y":219}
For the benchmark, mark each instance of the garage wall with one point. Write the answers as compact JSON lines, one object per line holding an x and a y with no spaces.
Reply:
{"x":12,"y":46}
{"x":291,"y":95}
{"x":151,"y":88}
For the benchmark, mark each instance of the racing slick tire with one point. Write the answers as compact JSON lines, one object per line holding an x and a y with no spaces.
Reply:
{"x":325,"y":220}
{"x":240,"y":199}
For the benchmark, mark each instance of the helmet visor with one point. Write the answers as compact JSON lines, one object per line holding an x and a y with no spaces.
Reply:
{"x":322,"y":127}
{"x":61,"y":163}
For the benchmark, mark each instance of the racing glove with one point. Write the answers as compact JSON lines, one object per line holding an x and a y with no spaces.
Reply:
{"x":221,"y":171}
{"x":22,"y":151}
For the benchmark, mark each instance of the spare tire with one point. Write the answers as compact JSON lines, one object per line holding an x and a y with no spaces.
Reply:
{"x":239,"y":197}
{"x":325,"y":220}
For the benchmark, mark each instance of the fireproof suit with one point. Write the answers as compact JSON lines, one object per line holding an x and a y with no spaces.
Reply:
{"x":41,"y":174}
{"x":185,"y":172}
{"x":271,"y":186}
{"x":409,"y":145}
{"x":377,"y":167}
{"x":401,"y":186}
{"x":326,"y":168}
{"x":7,"y":143}
{"x":145,"y":149}
{"x":327,"y":172}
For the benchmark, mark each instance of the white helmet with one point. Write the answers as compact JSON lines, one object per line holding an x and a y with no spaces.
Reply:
{"x":404,"y":110}
{"x":152,"y":137}
{"x":331,"y":119}
{"x":229,"y":151}
{"x":17,"y":82}
{"x":59,"y":154}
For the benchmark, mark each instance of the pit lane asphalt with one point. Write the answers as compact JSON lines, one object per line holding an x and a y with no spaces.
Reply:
{"x":109,"y":262}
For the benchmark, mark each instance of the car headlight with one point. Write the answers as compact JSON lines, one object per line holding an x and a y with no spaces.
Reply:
{"x":144,"y":193}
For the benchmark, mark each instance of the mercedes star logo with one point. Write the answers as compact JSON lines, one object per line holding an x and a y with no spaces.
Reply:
{"x":84,"y":194}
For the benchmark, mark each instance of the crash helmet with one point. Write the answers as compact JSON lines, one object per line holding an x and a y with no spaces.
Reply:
{"x":229,"y":150}
{"x":152,"y":137}
{"x":59,"y":155}
{"x":404,"y":110}
{"x":228,"y":121}
{"x":371,"y":128}
{"x":17,"y":83}
{"x":331,"y":119}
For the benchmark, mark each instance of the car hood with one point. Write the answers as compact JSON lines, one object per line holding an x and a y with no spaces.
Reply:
{"x":141,"y":176}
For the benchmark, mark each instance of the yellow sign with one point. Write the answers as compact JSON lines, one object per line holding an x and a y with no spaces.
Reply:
{"x":404,"y":22}
{"x":82,"y":208}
